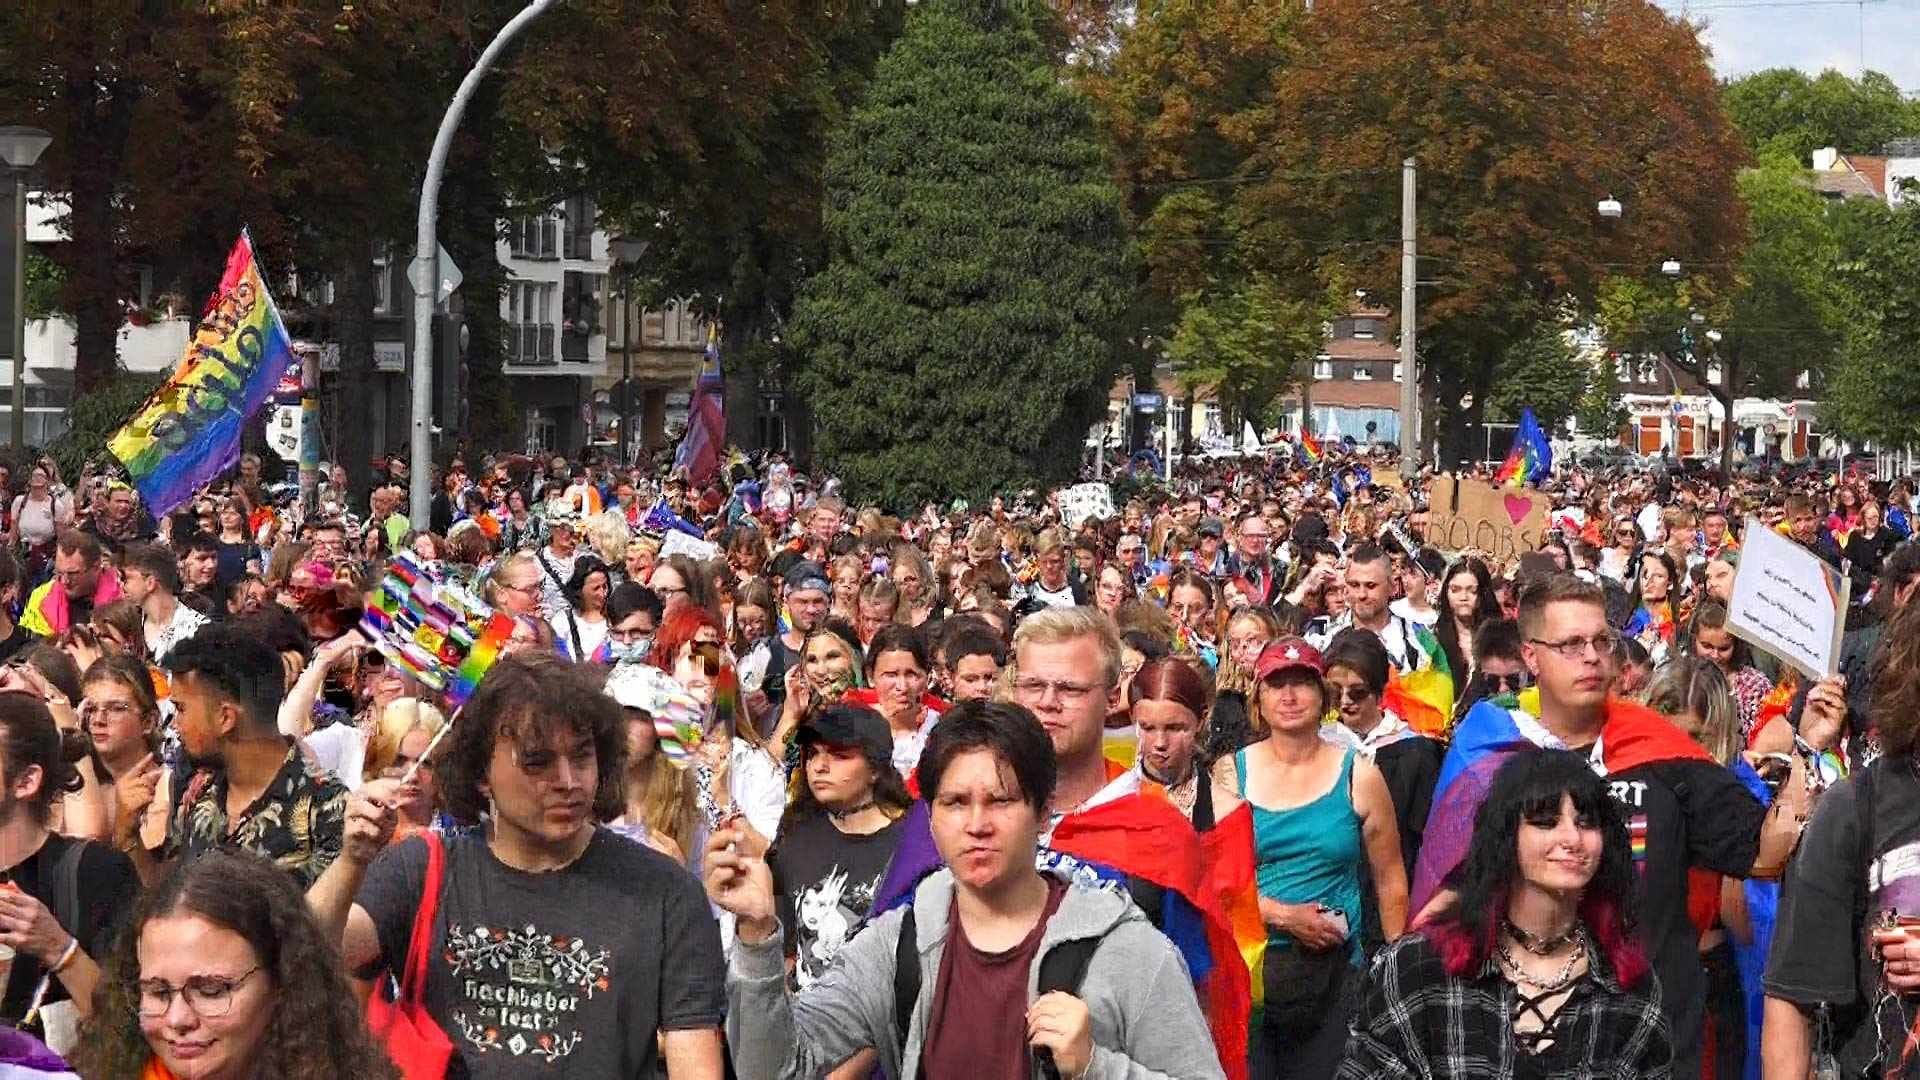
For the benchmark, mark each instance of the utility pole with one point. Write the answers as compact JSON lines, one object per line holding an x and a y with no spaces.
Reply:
{"x":426,"y":270}
{"x":1409,"y":319}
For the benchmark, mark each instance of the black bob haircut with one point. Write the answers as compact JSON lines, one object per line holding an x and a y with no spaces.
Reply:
{"x":1006,"y":730}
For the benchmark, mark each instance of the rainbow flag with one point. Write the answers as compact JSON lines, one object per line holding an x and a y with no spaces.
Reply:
{"x":1310,"y":446}
{"x":1530,"y":459}
{"x":699,"y":456}
{"x":436,"y":630}
{"x":1496,"y":729}
{"x":188,"y":432}
{"x":1424,"y":696}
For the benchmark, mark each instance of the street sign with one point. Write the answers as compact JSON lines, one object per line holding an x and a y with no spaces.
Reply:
{"x":450,"y":275}
{"x":1149,"y":402}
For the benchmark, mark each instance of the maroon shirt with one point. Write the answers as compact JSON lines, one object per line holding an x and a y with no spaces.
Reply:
{"x":978,"y":1027}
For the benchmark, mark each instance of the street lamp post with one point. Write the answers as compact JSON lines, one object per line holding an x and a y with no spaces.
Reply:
{"x":626,"y":253}
{"x":20,"y":147}
{"x":426,"y":278}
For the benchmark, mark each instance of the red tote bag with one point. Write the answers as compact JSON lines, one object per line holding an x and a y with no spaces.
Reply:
{"x":412,"y":1039}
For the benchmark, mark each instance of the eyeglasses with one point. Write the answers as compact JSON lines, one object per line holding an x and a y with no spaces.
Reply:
{"x":531,"y":588}
{"x":1511,"y":682}
{"x":1355,"y":694}
{"x":209,"y":996}
{"x":1069,"y":693}
{"x":108,"y":708}
{"x":1602,"y":644}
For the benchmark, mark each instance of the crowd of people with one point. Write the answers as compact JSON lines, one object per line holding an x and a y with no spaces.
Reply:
{"x":1237,"y":776}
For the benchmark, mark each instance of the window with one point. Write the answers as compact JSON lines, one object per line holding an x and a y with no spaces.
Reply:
{"x":1805,"y":381}
{"x":383,"y":283}
{"x":1363,"y":373}
{"x":1323,"y":369}
{"x":1366,"y":329}
{"x":1396,"y":371}
{"x":1713,"y":374}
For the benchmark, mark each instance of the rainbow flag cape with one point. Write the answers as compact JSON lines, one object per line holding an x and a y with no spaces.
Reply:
{"x":1131,"y":832}
{"x":1310,"y":446}
{"x":188,"y":431}
{"x":1496,"y":729}
{"x":1530,"y":460}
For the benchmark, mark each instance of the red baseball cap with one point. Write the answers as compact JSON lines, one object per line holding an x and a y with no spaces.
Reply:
{"x":1287,"y":654}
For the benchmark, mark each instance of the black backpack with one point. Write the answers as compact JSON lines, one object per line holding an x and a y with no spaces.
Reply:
{"x":1063,"y":968}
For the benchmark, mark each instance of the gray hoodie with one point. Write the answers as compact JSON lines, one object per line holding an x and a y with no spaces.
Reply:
{"x":1146,"y":1020}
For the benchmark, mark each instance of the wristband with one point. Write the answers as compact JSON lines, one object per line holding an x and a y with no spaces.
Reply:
{"x":66,"y":956}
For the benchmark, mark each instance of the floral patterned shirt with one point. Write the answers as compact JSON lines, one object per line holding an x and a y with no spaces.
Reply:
{"x":296,"y":823}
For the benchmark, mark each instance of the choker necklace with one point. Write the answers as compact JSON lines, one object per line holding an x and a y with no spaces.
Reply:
{"x":842,"y":815}
{"x":1537,"y":945}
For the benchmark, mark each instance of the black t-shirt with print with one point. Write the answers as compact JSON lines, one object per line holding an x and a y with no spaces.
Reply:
{"x":823,"y":882}
{"x":567,"y":973}
{"x":1683,"y":815}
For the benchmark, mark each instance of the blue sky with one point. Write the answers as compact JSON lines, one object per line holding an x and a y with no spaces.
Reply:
{"x":1748,"y":35}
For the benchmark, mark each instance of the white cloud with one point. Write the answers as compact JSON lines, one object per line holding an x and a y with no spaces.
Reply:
{"x":1812,"y":37}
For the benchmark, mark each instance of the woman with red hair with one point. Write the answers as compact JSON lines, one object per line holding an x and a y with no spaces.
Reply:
{"x":1166,"y":699}
{"x":1533,"y":970}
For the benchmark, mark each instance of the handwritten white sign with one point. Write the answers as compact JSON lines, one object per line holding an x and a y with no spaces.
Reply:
{"x":1083,"y":501}
{"x":1788,"y":601}
{"x":679,"y":543}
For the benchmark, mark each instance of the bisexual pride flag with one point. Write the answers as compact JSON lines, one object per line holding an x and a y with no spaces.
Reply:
{"x":188,"y":432}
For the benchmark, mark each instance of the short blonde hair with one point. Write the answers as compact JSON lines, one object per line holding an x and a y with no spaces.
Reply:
{"x":400,"y":718}
{"x":607,"y":533}
{"x":1056,"y":626}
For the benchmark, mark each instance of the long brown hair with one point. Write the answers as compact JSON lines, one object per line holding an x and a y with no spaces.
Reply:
{"x":316,"y":1031}
{"x":1895,"y":708}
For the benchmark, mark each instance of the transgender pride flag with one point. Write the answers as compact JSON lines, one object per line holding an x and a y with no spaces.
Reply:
{"x":699,"y":455}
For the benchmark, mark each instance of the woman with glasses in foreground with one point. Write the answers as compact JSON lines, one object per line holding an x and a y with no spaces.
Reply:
{"x":222,"y":975}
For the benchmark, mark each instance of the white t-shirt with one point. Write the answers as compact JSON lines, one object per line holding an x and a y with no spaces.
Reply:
{"x":1405,"y":610}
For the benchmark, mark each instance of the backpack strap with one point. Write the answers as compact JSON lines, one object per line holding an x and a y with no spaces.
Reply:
{"x":1064,"y":968}
{"x":906,"y":977}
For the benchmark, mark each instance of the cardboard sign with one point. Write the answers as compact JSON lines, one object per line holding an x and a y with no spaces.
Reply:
{"x":1788,"y":601}
{"x":1083,"y":501}
{"x":676,"y":542}
{"x":1506,"y":523}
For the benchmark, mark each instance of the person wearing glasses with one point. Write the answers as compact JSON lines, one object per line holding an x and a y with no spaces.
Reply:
{"x":1357,"y":670}
{"x":1685,"y":812}
{"x":517,"y":586}
{"x":223,"y":974}
{"x":81,"y":582}
{"x":1250,"y":569}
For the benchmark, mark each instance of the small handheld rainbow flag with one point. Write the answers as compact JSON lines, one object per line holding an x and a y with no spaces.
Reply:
{"x":1310,"y":446}
{"x":188,"y":431}
{"x":440,"y":633}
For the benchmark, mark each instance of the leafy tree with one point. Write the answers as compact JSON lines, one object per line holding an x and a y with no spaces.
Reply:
{"x":1185,"y":71}
{"x":1776,"y":316}
{"x":962,"y":337}
{"x":1874,"y":392}
{"x":1785,"y":110}
{"x":1544,"y":372}
{"x":1520,"y":116}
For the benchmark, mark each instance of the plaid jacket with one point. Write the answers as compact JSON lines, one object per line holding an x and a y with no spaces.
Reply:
{"x":1415,"y":1020}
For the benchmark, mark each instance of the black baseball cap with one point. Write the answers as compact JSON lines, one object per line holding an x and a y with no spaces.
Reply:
{"x":852,"y":726}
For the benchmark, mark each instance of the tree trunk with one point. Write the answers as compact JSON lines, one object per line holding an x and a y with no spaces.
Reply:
{"x":353,"y":297}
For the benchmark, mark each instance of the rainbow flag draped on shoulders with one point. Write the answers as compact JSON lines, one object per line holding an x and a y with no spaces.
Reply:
{"x":1130,"y":831}
{"x":1530,"y":460}
{"x":188,"y":431}
{"x":1496,"y":729}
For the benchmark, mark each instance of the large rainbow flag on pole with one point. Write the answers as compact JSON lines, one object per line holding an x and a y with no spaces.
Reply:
{"x":188,"y":432}
{"x":1530,"y":460}
{"x":700,"y":450}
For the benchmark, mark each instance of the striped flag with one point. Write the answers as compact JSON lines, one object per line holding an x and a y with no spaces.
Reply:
{"x":700,"y":449}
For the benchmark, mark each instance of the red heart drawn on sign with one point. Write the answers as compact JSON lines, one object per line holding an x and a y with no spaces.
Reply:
{"x":1518,"y":508}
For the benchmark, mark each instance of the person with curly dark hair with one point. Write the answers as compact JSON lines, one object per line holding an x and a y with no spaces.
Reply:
{"x":222,"y":973}
{"x":1532,"y":970}
{"x":561,"y":946}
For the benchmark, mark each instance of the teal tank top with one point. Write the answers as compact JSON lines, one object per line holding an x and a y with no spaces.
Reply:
{"x":1311,"y":854}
